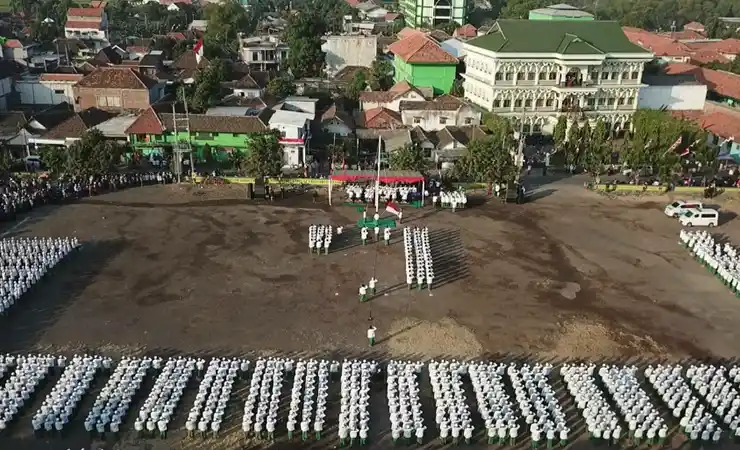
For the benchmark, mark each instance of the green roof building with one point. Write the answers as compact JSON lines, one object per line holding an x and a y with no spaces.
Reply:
{"x":537,"y":70}
{"x":430,"y":13}
{"x":560,"y":11}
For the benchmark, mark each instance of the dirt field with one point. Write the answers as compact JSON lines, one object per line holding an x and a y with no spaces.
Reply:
{"x":170,"y":269}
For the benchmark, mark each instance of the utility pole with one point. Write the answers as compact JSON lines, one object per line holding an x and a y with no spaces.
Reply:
{"x":182,"y":146}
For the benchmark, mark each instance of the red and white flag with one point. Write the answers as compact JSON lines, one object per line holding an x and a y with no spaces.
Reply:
{"x":675,"y":144}
{"x":198,"y":50}
{"x":392,"y":208}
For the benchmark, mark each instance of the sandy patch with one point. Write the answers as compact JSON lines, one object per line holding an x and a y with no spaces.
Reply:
{"x":587,"y":339}
{"x":432,"y":339}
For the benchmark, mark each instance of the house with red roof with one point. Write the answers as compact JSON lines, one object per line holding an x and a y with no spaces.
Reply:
{"x":722,"y":86}
{"x":86,"y":23}
{"x":420,"y":61}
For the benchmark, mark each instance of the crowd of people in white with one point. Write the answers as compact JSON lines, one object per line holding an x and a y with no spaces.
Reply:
{"x":642,"y":417}
{"x":453,"y":200}
{"x":213,"y":394}
{"x":452,"y":412}
{"x":162,"y":401}
{"x":60,"y":405}
{"x":723,"y":260}
{"x":703,"y":399}
{"x":264,"y":392}
{"x":111,"y":406}
{"x":23,"y":261}
{"x":601,"y":420}
{"x":418,"y":253}
{"x":354,"y":417}
{"x":319,"y":236}
{"x":366,"y":193}
{"x":404,"y":403}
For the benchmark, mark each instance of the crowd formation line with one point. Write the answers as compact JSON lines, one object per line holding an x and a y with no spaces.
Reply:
{"x":514,"y":402}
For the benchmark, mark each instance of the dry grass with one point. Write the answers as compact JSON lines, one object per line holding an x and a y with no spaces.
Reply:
{"x":443,"y":338}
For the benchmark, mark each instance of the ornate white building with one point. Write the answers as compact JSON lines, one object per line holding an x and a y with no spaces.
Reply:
{"x":539,"y":70}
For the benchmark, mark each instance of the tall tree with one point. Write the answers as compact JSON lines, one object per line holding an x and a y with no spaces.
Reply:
{"x":355,"y":87}
{"x":408,"y":157}
{"x":487,"y":161}
{"x":93,"y":155}
{"x":54,"y":158}
{"x":281,"y":86}
{"x":303,"y":36}
{"x":559,"y":132}
{"x":206,"y":90}
{"x":380,"y":77}
{"x":265,"y":156}
{"x":227,"y":18}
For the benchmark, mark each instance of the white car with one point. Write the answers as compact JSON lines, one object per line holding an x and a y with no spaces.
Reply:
{"x":700,"y":217}
{"x":677,"y":208}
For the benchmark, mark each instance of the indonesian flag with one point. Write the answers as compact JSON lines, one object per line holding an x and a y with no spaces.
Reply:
{"x":198,"y":50}
{"x":392,"y":208}
{"x":675,"y":144}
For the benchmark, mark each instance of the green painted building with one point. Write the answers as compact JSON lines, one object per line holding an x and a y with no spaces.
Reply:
{"x":153,"y":132}
{"x":560,"y":12}
{"x":430,"y":13}
{"x":423,"y":63}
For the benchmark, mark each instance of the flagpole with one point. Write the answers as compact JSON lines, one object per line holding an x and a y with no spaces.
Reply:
{"x":377,"y":180}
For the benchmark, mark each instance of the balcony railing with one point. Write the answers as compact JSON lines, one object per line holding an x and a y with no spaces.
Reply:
{"x":575,"y":84}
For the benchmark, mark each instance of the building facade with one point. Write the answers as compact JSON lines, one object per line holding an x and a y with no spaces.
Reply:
{"x":430,"y":13}
{"x":263,"y":53}
{"x":47,"y":88}
{"x":86,"y":23}
{"x":536,"y":71}
{"x":420,"y":61}
{"x":116,"y":89}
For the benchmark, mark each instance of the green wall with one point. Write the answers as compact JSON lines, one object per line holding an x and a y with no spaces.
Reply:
{"x":198,"y":141}
{"x":439,"y":76}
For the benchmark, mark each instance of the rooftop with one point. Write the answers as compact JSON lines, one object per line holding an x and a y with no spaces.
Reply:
{"x":419,"y":49}
{"x":718,"y":120}
{"x":116,"y":78}
{"x":723,"y":83}
{"x":85,"y":12}
{"x":562,"y":10}
{"x":561,"y":37}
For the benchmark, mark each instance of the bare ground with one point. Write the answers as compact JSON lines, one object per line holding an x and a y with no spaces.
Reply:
{"x":176,"y":269}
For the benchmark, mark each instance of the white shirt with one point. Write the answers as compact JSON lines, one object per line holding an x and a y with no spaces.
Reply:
{"x":371,"y":333}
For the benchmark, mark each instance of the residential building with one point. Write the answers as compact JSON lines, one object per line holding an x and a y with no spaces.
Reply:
{"x":72,"y":128}
{"x":722,"y":124}
{"x":187,"y":66}
{"x":86,"y":23}
{"x":452,"y":142}
{"x":115,"y":127}
{"x":296,"y":103}
{"x":370,"y":11}
{"x":379,"y":119}
{"x":540,"y":70}
{"x":430,"y":13}
{"x":560,"y":11}
{"x":295,"y":135}
{"x":263,"y":53}
{"x":47,"y":88}
{"x":15,"y":50}
{"x":8,"y":72}
{"x":151,"y":64}
{"x":349,"y":50}
{"x":117,"y":89}
{"x":392,"y":98}
{"x":337,"y":122}
{"x":421,"y":61}
{"x":685,"y":46}
{"x":722,"y":87}
{"x":443,"y":111}
{"x":250,"y":85}
{"x":467,"y":31}
{"x":154,"y":131}
{"x":671,"y":92}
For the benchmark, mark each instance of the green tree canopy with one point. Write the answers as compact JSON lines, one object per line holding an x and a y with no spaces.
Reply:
{"x":206,"y":91}
{"x":93,"y":155}
{"x":303,"y":37}
{"x":281,"y":86}
{"x":487,"y":161}
{"x":265,"y":158}
{"x":355,"y":87}
{"x":380,"y":77}
{"x":408,"y":157}
{"x":54,"y":158}
{"x":225,"y":20}
{"x":559,"y":132}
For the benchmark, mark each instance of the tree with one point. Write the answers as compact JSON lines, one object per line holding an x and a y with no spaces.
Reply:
{"x":54,"y":158}
{"x":303,"y":36}
{"x":458,"y":89}
{"x":380,"y":77}
{"x":207,"y":154}
{"x":594,"y":159}
{"x":265,"y":156}
{"x":281,"y":86}
{"x":487,"y":161}
{"x":237,"y":160}
{"x":93,"y":155}
{"x":408,"y":157}
{"x":500,"y":129}
{"x":206,"y":90}
{"x":599,"y":135}
{"x":6,"y":161}
{"x":558,"y":133}
{"x":448,"y":27}
{"x":572,"y":144}
{"x":226,"y":19}
{"x":354,"y":88}
{"x":337,"y":153}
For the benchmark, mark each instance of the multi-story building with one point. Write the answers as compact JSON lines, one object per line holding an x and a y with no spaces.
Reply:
{"x":86,"y":23}
{"x":263,"y":52}
{"x":430,"y":13}
{"x":116,"y":89}
{"x":539,"y":70}
{"x":420,"y":61}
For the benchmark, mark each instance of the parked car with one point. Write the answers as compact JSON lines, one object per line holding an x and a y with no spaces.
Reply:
{"x":678,"y":207}
{"x":700,"y":217}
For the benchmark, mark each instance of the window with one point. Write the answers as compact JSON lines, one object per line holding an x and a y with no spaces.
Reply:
{"x":625,"y":75}
{"x":528,"y":103}
{"x":203,"y":136}
{"x":552,"y":76}
{"x":507,"y":103}
{"x":509,"y":76}
{"x":530,"y":76}
{"x":594,"y":76}
{"x":442,"y":120}
{"x":518,"y":103}
{"x":59,"y":91}
{"x":602,"y":101}
{"x":498,"y":76}
{"x":234,"y":134}
{"x":604,"y":75}
{"x":549,"y":102}
{"x":633,"y":75}
{"x":526,"y":128}
{"x":282,"y":133}
{"x":615,"y":75}
{"x":417,"y":120}
{"x":590,"y":101}
{"x":537,"y":128}
{"x":521,"y":76}
{"x":497,"y":103}
{"x":539,"y":102}
{"x":620,"y":101}
{"x":255,"y":56}
{"x":108,"y":101}
{"x":468,"y":121}
{"x":610,"y":101}
{"x":631,"y":101}
{"x":427,"y":152}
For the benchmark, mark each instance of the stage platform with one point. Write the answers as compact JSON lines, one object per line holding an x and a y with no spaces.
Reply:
{"x":361,"y":206}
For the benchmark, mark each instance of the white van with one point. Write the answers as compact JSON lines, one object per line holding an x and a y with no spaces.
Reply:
{"x":678,"y":207}
{"x":700,"y":217}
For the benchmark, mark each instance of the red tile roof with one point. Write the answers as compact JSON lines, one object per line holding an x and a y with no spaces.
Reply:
{"x":176,"y":35}
{"x":723,"y":83}
{"x":685,"y":35}
{"x":717,"y":120}
{"x":420,"y":49}
{"x":397,"y":90}
{"x":708,"y":56}
{"x":726,"y":46}
{"x":382,"y":118}
{"x":694,"y":26}
{"x":353,"y":3}
{"x":136,"y":49}
{"x":116,"y":78}
{"x":659,"y":45}
{"x":85,"y":12}
{"x":147,"y":123}
{"x":390,"y":17}
{"x":13,"y":43}
{"x":408,"y":32}
{"x":82,"y":24}
{"x":61,"y":77}
{"x":466,"y":30}
{"x":78,"y":124}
